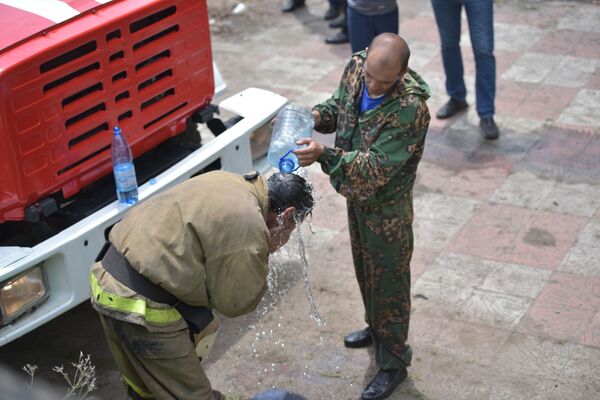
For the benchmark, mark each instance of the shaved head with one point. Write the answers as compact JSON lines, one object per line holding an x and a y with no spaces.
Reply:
{"x":386,"y":63}
{"x":390,"y":51}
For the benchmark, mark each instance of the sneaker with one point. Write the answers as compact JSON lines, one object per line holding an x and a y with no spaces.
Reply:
{"x":451,"y":108}
{"x":489,"y":129}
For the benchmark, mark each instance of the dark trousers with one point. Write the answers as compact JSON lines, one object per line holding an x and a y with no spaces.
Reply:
{"x":480,"y":17}
{"x":363,"y":28}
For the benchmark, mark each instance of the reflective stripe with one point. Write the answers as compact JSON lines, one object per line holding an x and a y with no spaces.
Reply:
{"x":136,"y":388}
{"x":135,"y":306}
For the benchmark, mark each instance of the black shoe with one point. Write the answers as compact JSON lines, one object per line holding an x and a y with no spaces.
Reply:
{"x":339,"y":22}
{"x":384,"y":383}
{"x":338,"y":38}
{"x":451,"y":108}
{"x":292,"y":5}
{"x":358,"y":339}
{"x":331,"y":13}
{"x":488,"y":128}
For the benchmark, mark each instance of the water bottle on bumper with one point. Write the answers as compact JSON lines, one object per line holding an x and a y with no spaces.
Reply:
{"x":125,"y":179}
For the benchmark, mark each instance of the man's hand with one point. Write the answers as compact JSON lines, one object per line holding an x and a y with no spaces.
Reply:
{"x":317,"y":117}
{"x":309,"y":154}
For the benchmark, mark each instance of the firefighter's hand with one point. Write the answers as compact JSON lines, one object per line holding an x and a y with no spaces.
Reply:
{"x":310,"y":153}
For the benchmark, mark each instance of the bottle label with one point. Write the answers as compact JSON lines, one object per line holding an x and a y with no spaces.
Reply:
{"x":125,"y":177}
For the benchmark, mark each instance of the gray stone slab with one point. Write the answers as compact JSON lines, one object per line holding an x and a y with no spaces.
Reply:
{"x":550,"y":359}
{"x":433,"y":234}
{"x":444,"y":208}
{"x":584,"y":110}
{"x":516,"y":280}
{"x":293,"y":72}
{"x":421,"y":54}
{"x":494,"y":309}
{"x":524,"y":189}
{"x":577,"y":198}
{"x":514,"y":37}
{"x":584,"y":257}
{"x":533,"y":67}
{"x":583,"y":17}
{"x":572,"y":72}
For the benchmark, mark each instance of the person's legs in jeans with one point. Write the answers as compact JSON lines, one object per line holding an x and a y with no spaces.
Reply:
{"x":387,"y":22}
{"x":360,"y":29}
{"x":480,"y":15}
{"x":447,"y":15}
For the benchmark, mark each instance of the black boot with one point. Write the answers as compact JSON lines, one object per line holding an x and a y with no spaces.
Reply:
{"x":384,"y":383}
{"x":292,"y":5}
{"x":331,"y":13}
{"x":358,"y":339}
{"x":489,"y":129}
{"x":451,"y":108}
{"x":339,"y":22}
{"x":338,"y":38}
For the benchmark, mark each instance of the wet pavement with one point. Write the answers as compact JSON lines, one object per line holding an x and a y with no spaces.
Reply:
{"x":506,"y":269}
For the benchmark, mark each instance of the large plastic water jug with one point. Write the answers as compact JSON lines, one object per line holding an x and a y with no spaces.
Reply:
{"x":292,"y":124}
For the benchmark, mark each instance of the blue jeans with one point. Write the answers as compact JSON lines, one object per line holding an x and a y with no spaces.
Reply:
{"x":363,"y":28}
{"x":480,"y":16}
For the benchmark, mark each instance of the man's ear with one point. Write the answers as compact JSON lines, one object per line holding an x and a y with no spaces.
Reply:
{"x":288,"y":213}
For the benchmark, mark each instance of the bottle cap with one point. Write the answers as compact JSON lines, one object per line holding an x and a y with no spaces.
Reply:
{"x":117,"y":130}
{"x":286,"y":166}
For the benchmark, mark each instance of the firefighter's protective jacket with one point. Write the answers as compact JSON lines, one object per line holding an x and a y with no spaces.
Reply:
{"x":205,"y":241}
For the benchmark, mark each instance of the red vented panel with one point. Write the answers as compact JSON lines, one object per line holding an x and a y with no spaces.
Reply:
{"x":144,"y":65}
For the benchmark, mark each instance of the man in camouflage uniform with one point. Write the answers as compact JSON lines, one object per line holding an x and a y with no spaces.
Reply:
{"x":205,"y":243}
{"x":380,"y":117}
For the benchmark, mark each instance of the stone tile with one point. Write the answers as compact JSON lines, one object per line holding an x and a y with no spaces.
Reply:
{"x":524,"y":126}
{"x":584,"y":257}
{"x":505,"y":59}
{"x":546,"y":241}
{"x":518,"y":235}
{"x":455,"y":160}
{"x":421,"y":28}
{"x":422,"y":53}
{"x":572,"y":72}
{"x":512,"y":95}
{"x":457,"y":270}
{"x":424,"y":331}
{"x":556,"y":321}
{"x":572,"y":291}
{"x":578,"y":199}
{"x":457,"y":339}
{"x":532,"y":67}
{"x":421,"y":259}
{"x":530,"y":14}
{"x":560,"y":148}
{"x":433,"y":234}
{"x":546,"y":103}
{"x":516,"y":280}
{"x":299,"y":73}
{"x":482,"y":306}
{"x":584,"y":17}
{"x":594,"y":82}
{"x":584,"y":109}
{"x":478,"y":184}
{"x":591,"y":336}
{"x":444,"y":208}
{"x":432,"y":299}
{"x":547,"y":359}
{"x":597,"y":216}
{"x":569,"y":43}
{"x":524,"y":189}
{"x":513,"y":37}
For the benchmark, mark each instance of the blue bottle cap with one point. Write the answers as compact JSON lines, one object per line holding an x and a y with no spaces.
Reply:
{"x":286,"y":166}
{"x":117,"y":130}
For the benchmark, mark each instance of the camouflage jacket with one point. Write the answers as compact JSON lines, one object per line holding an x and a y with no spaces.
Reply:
{"x":376,"y":152}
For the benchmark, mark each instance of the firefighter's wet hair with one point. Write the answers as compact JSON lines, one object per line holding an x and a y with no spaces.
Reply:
{"x":290,"y":190}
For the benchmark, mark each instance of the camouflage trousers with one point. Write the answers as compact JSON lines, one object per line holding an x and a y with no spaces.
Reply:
{"x":382,"y":243}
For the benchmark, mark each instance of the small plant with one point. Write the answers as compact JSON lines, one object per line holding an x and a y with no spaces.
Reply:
{"x":82,"y":383}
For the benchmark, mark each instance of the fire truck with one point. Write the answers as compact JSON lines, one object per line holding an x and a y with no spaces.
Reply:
{"x":70,"y":71}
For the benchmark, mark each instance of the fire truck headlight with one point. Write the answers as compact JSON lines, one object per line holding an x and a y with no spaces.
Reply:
{"x":22,"y":293}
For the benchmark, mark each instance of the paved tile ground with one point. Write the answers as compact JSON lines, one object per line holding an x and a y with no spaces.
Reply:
{"x":506,"y":269}
{"x":506,"y":272}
